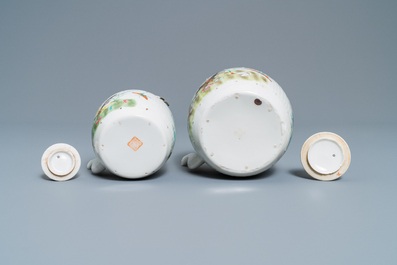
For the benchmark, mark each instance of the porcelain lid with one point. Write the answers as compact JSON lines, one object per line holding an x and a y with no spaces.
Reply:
{"x":325,"y":156}
{"x":60,"y":162}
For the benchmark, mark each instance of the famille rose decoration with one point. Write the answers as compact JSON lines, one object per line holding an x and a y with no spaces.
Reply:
{"x":133,"y":134}
{"x":240,"y":123}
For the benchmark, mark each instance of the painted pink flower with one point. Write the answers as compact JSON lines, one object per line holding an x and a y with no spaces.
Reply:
{"x":125,"y":101}
{"x":99,"y":120}
{"x":205,"y":89}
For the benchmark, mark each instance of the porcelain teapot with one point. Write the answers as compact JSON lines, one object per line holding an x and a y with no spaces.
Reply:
{"x":240,"y":123}
{"x":133,"y":134}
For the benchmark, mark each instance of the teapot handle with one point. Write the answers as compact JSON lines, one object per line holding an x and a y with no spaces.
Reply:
{"x":192,"y":161}
{"x":95,"y":166}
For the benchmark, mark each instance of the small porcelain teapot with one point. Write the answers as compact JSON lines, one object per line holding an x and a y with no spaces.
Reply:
{"x":240,"y":123}
{"x":133,"y":134}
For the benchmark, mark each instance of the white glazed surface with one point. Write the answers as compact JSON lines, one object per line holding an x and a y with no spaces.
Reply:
{"x":241,"y":125}
{"x":325,"y":156}
{"x":135,"y":139}
{"x":60,"y":162}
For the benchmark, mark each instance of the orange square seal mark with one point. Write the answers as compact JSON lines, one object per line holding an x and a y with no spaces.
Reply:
{"x":135,"y":143}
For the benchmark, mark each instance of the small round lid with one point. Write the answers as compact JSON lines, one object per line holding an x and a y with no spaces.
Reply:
{"x":325,"y":156}
{"x":60,"y":162}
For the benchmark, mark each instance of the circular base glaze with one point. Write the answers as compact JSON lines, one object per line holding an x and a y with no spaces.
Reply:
{"x":132,"y":146}
{"x":60,"y":162}
{"x":241,"y":135}
{"x":325,"y":156}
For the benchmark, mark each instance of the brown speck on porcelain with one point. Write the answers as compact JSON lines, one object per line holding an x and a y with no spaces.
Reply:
{"x":270,"y":110}
{"x":246,"y":167}
{"x":146,"y":108}
{"x":213,"y":110}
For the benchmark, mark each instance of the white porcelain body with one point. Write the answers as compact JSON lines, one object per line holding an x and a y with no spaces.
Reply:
{"x":240,"y":122}
{"x":133,"y":134}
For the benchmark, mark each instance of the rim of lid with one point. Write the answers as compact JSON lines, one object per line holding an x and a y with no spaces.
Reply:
{"x":60,"y":147}
{"x":325,"y":136}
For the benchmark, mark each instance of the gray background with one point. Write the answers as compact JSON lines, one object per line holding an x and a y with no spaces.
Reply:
{"x":59,"y":60}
